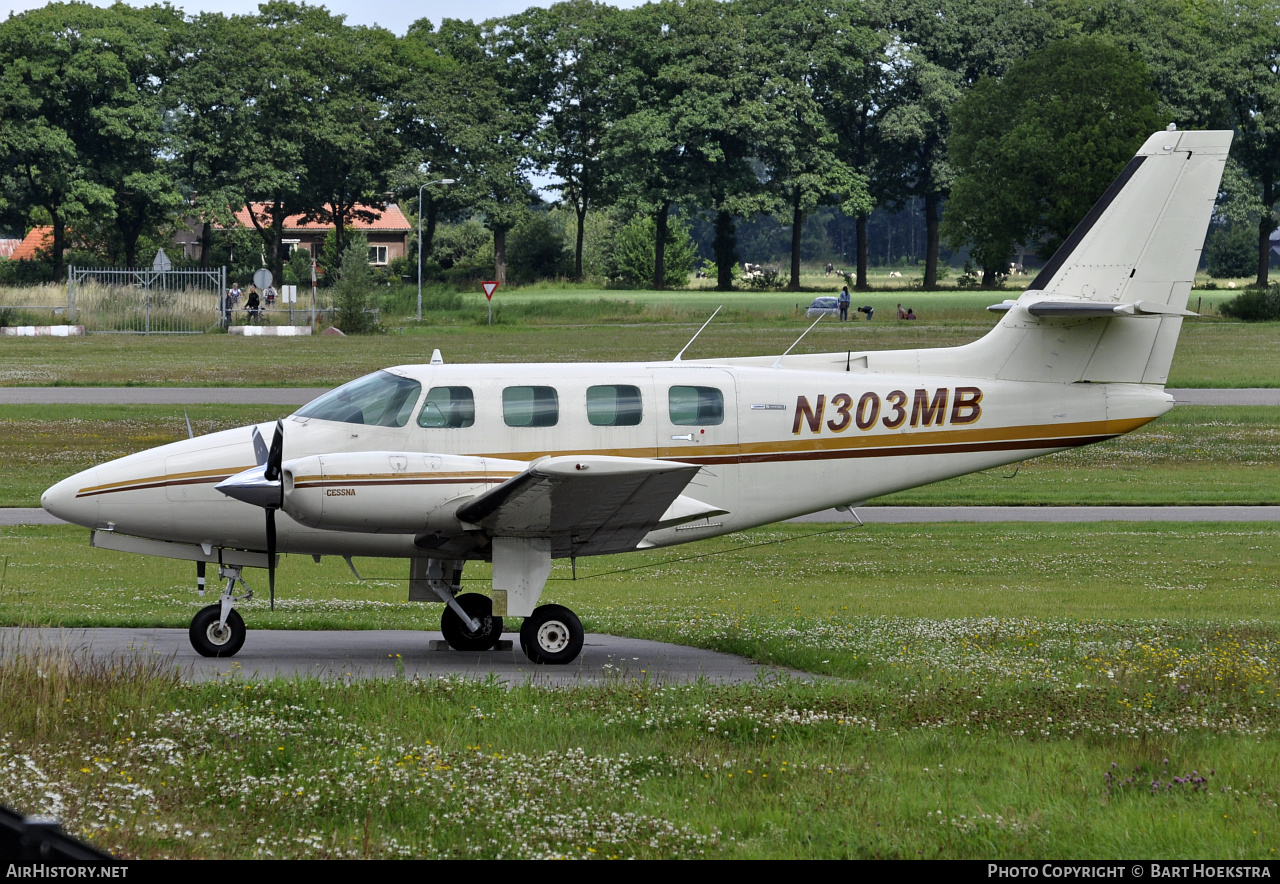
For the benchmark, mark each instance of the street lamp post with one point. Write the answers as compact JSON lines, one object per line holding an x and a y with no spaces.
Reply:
{"x":420,"y":189}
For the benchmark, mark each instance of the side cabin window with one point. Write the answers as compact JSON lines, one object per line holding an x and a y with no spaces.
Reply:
{"x":614,"y":405}
{"x":530,"y":406}
{"x":381,"y":399}
{"x":696,"y":406}
{"x":448,"y":407}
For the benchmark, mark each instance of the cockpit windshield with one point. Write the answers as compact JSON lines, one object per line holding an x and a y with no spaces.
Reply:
{"x":381,"y":399}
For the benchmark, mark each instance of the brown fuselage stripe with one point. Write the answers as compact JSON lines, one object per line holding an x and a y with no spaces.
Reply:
{"x":904,"y":450}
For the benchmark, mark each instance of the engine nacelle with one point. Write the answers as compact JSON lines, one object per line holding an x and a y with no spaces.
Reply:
{"x":388,"y":491}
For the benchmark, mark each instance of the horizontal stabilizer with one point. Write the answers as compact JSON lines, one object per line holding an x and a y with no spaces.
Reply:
{"x":1094,"y":309}
{"x":587,"y":505}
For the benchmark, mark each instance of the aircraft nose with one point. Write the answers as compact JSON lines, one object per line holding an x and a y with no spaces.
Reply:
{"x":61,"y":501}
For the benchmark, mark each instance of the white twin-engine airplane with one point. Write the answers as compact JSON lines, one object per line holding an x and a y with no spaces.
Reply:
{"x":521,"y":464}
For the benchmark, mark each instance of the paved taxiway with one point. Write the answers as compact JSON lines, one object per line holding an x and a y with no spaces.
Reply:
{"x":389,"y":653}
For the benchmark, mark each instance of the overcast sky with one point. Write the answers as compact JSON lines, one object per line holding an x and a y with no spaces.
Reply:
{"x":394,"y":15}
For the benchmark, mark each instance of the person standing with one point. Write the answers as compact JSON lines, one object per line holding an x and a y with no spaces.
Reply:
{"x":843,"y":301}
{"x":252,"y":304}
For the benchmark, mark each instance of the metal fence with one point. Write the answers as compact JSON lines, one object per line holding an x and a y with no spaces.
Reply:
{"x":145,"y":301}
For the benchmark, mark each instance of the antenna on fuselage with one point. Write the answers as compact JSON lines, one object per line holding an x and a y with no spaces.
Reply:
{"x":778,"y":363}
{"x":695,"y":334}
{"x":436,"y":358}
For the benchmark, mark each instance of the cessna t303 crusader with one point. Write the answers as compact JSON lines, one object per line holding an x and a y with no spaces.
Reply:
{"x":521,"y":464}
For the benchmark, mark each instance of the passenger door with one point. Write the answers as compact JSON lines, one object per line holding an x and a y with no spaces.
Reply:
{"x":697,"y":411}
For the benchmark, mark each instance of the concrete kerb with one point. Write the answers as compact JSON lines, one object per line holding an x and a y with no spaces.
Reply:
{"x":269,"y":331}
{"x":42,"y":331}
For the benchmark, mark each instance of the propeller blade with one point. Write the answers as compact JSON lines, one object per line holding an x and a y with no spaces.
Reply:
{"x":259,"y":448}
{"x":271,"y":555}
{"x":275,"y":455}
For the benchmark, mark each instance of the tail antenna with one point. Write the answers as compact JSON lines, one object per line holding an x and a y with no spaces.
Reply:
{"x":778,"y":363}
{"x":695,"y":334}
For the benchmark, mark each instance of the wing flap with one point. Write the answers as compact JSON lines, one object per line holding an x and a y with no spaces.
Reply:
{"x":588,"y":504}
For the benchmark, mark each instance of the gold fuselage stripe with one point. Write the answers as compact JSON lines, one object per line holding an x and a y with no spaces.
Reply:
{"x":833,"y":447}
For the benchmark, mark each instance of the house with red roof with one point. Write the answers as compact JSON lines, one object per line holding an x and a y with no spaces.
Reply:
{"x":38,"y":240}
{"x":388,"y":232}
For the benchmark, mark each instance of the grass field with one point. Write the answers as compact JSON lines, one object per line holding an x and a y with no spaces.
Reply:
{"x":561,"y":325}
{"x":1193,"y":455}
{"x":1005,"y":690}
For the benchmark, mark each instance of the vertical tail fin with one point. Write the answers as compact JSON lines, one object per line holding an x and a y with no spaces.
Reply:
{"x":1142,"y":240}
{"x":1145,"y":252}
{"x":1108,"y":306}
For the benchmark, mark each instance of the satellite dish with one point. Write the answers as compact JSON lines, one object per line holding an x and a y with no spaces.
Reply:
{"x":162,"y":263}
{"x":262,"y":278}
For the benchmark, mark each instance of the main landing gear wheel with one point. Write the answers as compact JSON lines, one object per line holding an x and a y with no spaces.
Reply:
{"x":456,"y":633}
{"x":552,"y":634}
{"x":211,"y":640}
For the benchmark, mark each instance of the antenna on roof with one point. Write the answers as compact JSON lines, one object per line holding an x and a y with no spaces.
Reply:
{"x":778,"y":363}
{"x":695,"y":334}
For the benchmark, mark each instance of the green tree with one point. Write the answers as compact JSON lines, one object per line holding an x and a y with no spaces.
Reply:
{"x":248,"y":98}
{"x":329,"y":256}
{"x":1230,"y":251}
{"x":633,"y":251}
{"x":353,"y":287}
{"x":853,"y":84}
{"x":538,"y":249}
{"x":1256,"y":112}
{"x":799,"y":147}
{"x":491,"y":151}
{"x":1215,"y":65}
{"x":351,"y":144}
{"x":567,"y":63}
{"x":80,"y":118}
{"x":726,"y":78}
{"x":687,"y":111}
{"x":433,"y":115}
{"x":941,"y":49}
{"x":1035,"y":149}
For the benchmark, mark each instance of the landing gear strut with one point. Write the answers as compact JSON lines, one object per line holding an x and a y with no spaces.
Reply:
{"x":218,"y":630}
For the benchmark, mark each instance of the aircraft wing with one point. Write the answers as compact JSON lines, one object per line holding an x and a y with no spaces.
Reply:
{"x":590,"y":504}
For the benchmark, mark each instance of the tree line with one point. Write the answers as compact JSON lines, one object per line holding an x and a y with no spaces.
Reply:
{"x":1014,"y":115}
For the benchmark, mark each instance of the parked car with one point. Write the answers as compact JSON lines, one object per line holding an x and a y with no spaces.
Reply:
{"x":823,"y":307}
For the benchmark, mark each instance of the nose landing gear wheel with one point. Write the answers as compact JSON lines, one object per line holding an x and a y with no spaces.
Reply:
{"x":456,"y":633}
{"x":552,"y":634}
{"x":209,"y":639}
